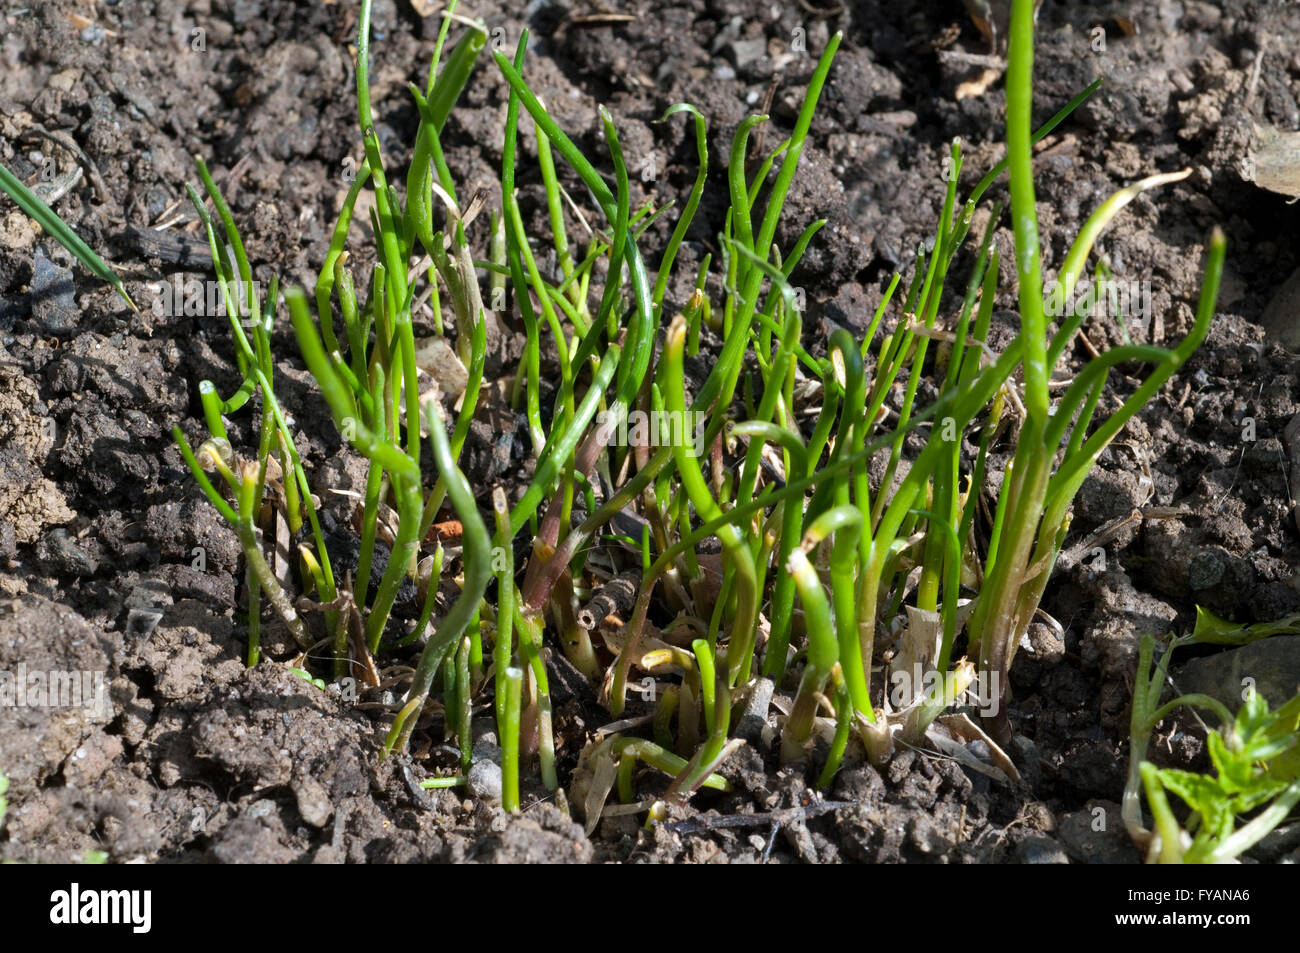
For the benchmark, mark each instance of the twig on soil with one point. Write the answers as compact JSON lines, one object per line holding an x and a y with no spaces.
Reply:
{"x":1076,"y":553}
{"x":779,"y":818}
{"x":615,"y":596}
{"x":64,"y":141}
{"x":1254,"y":78}
{"x":771,"y":841}
{"x":602,"y":19}
{"x":974,"y":59}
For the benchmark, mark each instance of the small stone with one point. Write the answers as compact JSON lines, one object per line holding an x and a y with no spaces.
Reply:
{"x":142,"y":622}
{"x":1040,"y":849}
{"x":1279,"y":317}
{"x":744,"y":52}
{"x":1271,"y":666}
{"x":1045,"y":644}
{"x":484,"y":781}
{"x":313,"y":802}
{"x":486,"y":750}
{"x":58,"y":552}
{"x":1276,"y":843}
{"x":259,"y":809}
{"x":436,"y":358}
{"x":484,"y":730}
{"x":1276,"y":166}
{"x":1207,"y":568}
{"x":54,"y":306}
{"x":753,"y":718}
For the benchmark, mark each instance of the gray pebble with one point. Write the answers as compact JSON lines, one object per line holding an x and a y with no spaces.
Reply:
{"x":753,"y":718}
{"x":60,"y":553}
{"x":1040,"y":849}
{"x":54,"y":306}
{"x":313,"y":802}
{"x":744,"y":52}
{"x":259,"y":809}
{"x":486,"y":750}
{"x":484,"y":781}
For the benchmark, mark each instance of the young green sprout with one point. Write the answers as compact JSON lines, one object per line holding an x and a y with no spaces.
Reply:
{"x":49,"y":220}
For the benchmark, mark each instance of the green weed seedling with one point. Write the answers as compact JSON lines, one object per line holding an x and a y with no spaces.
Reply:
{"x":1256,"y":769}
{"x":1255,"y":756}
{"x":1253,"y":787}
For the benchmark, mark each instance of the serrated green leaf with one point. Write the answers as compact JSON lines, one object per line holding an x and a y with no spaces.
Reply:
{"x":1213,"y":630}
{"x":1236,"y":772}
{"x":1204,"y":795}
{"x":1263,"y":791}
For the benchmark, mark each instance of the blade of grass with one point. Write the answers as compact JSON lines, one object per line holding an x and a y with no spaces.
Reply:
{"x":49,"y":220}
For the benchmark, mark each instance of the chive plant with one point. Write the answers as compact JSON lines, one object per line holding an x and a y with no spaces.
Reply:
{"x":369,"y":381}
{"x":275,"y":460}
{"x":912,"y":545}
{"x":1055,"y":450}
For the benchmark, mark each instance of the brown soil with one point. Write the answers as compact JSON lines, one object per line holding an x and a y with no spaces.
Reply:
{"x":111,"y":560}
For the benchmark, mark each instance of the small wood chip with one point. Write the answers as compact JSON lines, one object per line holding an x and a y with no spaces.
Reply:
{"x":614,"y":597}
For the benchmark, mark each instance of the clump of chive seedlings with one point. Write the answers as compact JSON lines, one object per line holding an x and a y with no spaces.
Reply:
{"x":822,"y":554}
